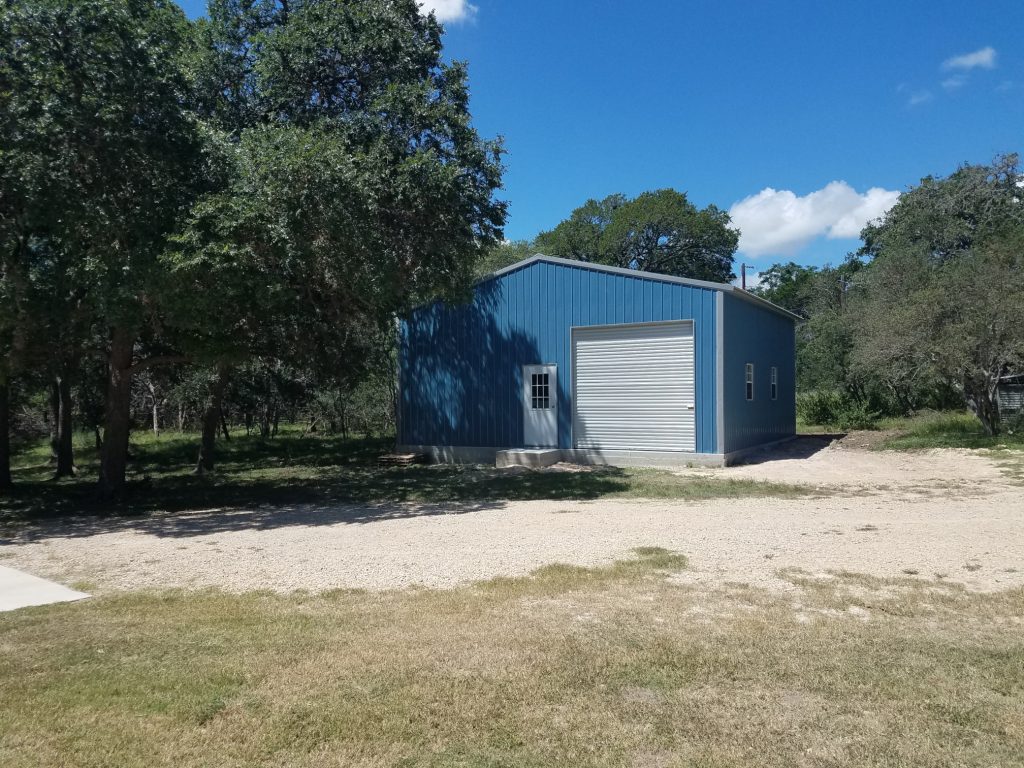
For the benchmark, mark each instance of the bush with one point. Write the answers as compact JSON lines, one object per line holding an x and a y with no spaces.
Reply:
{"x":856,"y":416}
{"x":1013,"y":424}
{"x":819,"y":406}
{"x":835,"y":409}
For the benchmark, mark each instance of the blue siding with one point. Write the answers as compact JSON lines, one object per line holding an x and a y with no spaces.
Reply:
{"x":461,"y":366}
{"x":756,"y":335}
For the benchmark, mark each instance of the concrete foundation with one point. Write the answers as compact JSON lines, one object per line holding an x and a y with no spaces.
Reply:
{"x":528,"y":457}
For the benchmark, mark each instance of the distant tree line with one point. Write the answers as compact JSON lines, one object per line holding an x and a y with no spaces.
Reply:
{"x":660,"y":231}
{"x":929,"y":313}
{"x":230,"y":211}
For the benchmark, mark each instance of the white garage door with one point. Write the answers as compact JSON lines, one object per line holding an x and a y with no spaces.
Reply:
{"x":633,"y":387}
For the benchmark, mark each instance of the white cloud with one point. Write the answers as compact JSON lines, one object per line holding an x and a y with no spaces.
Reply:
{"x":777,"y":221}
{"x":919,"y":97}
{"x":985,"y":58}
{"x":954,"y":82}
{"x":449,"y":10}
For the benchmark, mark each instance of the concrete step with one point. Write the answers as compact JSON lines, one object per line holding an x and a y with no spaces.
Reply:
{"x":528,"y":457}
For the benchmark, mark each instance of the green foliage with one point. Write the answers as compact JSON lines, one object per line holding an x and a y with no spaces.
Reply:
{"x":820,"y":407}
{"x":100,"y":159}
{"x":837,"y":410}
{"x":790,"y":286}
{"x":504,"y":254}
{"x":658,"y":231}
{"x":929,"y":430}
{"x":943,"y":299}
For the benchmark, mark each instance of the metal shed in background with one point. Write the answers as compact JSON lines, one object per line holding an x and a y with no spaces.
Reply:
{"x":1010,"y":395}
{"x":597,"y":364}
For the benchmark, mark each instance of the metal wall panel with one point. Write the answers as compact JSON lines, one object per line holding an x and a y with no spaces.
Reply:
{"x":754,"y":335}
{"x":634,"y":388}
{"x":461,"y":366}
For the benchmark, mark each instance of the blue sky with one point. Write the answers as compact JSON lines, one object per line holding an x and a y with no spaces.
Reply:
{"x":760,"y":108}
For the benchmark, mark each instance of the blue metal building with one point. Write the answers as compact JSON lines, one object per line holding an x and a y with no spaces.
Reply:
{"x":597,"y":364}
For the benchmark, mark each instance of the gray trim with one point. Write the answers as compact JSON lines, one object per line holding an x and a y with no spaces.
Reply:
{"x":462,"y":454}
{"x":606,"y":268}
{"x":640,"y":275}
{"x":642,"y":458}
{"x":720,"y":372}
{"x":755,"y":299}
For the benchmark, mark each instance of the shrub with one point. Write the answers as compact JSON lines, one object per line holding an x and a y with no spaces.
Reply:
{"x":819,"y":406}
{"x":856,"y":416}
{"x":835,"y":409}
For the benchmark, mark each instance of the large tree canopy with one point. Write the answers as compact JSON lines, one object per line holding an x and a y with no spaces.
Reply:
{"x":943,"y":295}
{"x":357,"y":185}
{"x":658,"y":231}
{"x":276,"y":180}
{"x":101,"y":161}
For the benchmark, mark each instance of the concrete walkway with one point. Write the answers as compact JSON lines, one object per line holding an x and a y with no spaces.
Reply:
{"x":18,"y":590}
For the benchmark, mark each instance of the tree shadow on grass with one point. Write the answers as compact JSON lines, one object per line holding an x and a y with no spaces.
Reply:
{"x":186,"y":505}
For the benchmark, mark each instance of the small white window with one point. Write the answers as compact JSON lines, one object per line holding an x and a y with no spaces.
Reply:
{"x":750,"y":381}
{"x":775,"y":383}
{"x":540,"y":392}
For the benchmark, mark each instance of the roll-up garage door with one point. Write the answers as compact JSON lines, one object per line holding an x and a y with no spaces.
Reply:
{"x":633,"y":387}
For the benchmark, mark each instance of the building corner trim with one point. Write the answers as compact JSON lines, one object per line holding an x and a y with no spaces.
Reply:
{"x":720,"y":372}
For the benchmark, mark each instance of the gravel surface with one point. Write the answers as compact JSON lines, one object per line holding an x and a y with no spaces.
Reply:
{"x":943,"y":514}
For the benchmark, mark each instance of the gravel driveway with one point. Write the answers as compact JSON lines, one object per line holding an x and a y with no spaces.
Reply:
{"x":946,"y":514}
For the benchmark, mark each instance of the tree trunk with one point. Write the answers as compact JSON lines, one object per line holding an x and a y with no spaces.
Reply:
{"x":211,"y":420}
{"x":224,"y":424}
{"x":63,"y":447}
{"x":156,"y":408}
{"x":5,"y":435}
{"x":117,"y":418}
{"x":982,"y":400}
{"x":53,"y":417}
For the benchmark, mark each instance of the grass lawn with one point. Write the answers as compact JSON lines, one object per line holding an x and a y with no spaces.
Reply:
{"x":585,"y":667}
{"x":944,"y":430}
{"x":293,"y":468}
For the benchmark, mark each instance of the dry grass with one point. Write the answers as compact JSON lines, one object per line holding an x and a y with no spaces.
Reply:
{"x":595,"y":667}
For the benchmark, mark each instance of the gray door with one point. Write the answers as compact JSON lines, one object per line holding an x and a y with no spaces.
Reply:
{"x":540,"y":406}
{"x":633,"y":387}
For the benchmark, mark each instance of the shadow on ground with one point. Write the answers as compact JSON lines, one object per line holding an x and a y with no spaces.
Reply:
{"x":800,"y":447}
{"x":186,"y":505}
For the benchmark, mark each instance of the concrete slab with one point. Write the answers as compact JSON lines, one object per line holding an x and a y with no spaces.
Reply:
{"x":19,"y":590}
{"x":528,"y":457}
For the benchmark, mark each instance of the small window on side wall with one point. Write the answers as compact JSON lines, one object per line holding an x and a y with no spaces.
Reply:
{"x":750,"y":381}
{"x":775,"y":383}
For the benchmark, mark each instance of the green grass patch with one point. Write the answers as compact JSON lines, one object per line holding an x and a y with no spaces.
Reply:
{"x":944,"y":430}
{"x":594,"y":667}
{"x":302,"y":469}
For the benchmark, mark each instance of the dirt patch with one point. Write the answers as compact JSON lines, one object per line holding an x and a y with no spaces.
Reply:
{"x":837,"y":461}
{"x":892,"y":514}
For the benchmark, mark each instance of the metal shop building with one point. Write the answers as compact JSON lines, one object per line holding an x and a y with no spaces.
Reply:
{"x":555,"y":359}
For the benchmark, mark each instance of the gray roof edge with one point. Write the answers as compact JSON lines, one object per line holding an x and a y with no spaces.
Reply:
{"x":638,"y":274}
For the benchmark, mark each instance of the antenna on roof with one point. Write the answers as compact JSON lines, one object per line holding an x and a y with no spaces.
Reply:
{"x":743,"y":276}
